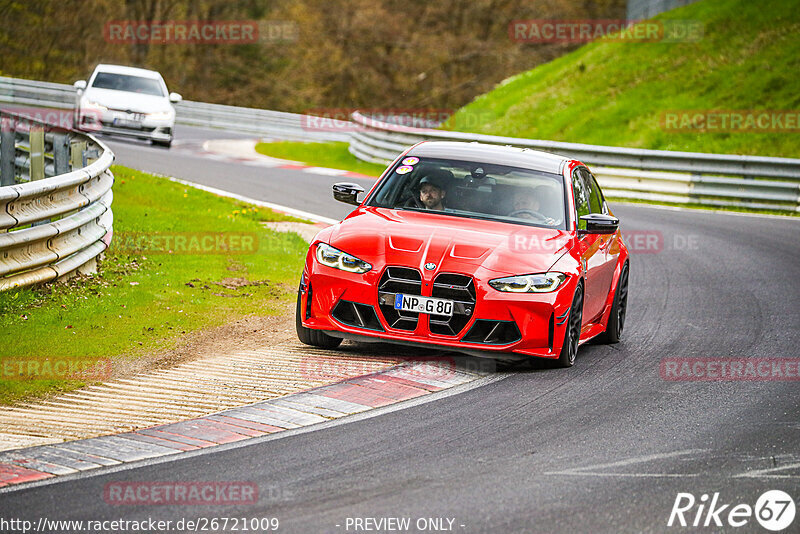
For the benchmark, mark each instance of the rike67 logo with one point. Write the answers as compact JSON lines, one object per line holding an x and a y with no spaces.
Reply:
{"x":774,"y":510}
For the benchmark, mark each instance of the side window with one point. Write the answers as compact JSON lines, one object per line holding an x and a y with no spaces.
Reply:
{"x":593,"y":192}
{"x":581,"y":198}
{"x":596,"y":188}
{"x":596,"y":194}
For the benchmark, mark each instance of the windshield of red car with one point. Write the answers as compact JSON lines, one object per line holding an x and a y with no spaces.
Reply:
{"x":477,"y":190}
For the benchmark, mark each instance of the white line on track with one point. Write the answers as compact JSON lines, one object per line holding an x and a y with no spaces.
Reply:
{"x":591,"y":470}
{"x":291,"y":211}
{"x":325,"y":171}
{"x":770,"y":472}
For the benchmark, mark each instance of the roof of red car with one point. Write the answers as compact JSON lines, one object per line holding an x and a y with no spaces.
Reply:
{"x":482,"y":153}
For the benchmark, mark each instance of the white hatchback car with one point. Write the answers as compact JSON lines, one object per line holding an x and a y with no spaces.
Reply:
{"x":126,"y":101}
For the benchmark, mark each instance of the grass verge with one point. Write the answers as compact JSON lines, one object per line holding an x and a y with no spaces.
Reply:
{"x":333,"y":155}
{"x":181,"y":260}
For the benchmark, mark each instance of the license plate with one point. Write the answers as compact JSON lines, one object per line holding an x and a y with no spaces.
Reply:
{"x":135,"y":121}
{"x":430,"y":305}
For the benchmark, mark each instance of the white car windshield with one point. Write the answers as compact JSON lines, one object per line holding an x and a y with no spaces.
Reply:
{"x":475,"y":190}
{"x":131,"y":84}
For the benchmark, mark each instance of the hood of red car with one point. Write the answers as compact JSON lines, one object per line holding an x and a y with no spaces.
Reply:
{"x":446,"y":243}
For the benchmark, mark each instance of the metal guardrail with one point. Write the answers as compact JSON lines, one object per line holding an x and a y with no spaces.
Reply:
{"x":655,"y":175}
{"x":55,"y":201}
{"x":277,"y":124}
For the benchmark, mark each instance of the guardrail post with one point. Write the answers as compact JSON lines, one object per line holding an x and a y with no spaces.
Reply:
{"x":76,"y":151}
{"x":36,"y":137}
{"x":60,"y":154}
{"x":90,"y":156}
{"x":7,"y":152}
{"x":37,"y":160}
{"x":693,"y":197}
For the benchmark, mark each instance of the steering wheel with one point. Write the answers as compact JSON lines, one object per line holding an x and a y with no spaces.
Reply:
{"x":414,"y":202}
{"x":533,"y":214}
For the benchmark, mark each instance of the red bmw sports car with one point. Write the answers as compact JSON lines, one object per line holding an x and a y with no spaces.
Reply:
{"x":482,"y":249}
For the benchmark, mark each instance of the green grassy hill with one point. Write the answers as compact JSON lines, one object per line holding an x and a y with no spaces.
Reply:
{"x":615,"y":93}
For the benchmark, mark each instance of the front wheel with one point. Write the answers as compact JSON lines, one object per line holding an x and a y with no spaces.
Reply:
{"x":165,"y":144}
{"x":572,"y":336}
{"x":616,"y":319}
{"x":309,"y":336}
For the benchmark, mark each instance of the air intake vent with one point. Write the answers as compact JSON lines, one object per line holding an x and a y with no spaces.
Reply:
{"x":357,"y":315}
{"x":493,"y":332}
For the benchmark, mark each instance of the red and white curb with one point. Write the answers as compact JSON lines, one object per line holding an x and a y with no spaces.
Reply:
{"x":243,"y":152}
{"x":407,"y":381}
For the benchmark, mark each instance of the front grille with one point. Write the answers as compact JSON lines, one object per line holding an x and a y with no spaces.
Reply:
{"x":398,"y":280}
{"x":144,"y":129}
{"x":493,"y":332}
{"x":357,"y":314}
{"x":461,"y":289}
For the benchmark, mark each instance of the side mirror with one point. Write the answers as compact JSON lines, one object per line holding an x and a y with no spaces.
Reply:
{"x":347,"y":192}
{"x":175,"y":98}
{"x":599,"y":223}
{"x":80,"y":85}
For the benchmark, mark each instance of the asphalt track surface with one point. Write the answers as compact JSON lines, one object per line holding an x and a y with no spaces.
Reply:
{"x":605,"y":446}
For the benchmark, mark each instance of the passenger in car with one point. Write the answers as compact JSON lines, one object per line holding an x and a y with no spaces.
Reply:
{"x":525,"y":204}
{"x":550,"y":203}
{"x":536,"y":204}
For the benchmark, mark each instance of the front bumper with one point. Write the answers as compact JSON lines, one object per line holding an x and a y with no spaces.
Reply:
{"x":124,"y":124}
{"x":349,"y":305}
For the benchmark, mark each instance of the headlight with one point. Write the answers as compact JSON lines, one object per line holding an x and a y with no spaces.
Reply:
{"x":529,"y":283}
{"x":95,"y":105}
{"x":333,"y":257}
{"x":158,"y":115}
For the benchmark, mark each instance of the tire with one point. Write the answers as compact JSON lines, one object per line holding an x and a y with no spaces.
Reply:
{"x":616,"y":319}
{"x":572,"y":335}
{"x":165,"y":144}
{"x":309,"y":336}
